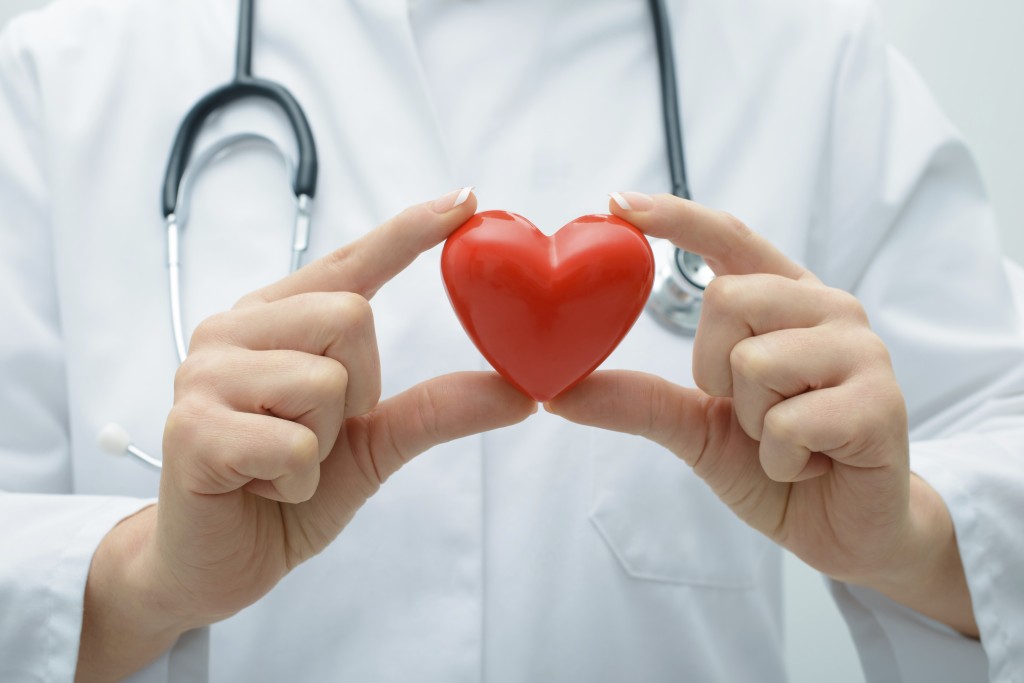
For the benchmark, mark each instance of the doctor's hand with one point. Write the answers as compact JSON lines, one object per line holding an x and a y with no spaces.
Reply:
{"x":275,"y":440}
{"x":798,"y":425}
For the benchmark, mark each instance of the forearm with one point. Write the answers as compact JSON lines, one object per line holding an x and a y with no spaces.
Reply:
{"x":926,"y":572}
{"x":127,"y":621}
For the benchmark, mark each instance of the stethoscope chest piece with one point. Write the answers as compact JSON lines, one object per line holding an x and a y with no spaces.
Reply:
{"x":680,"y":278}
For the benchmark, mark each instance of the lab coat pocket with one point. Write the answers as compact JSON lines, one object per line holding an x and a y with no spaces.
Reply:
{"x":662,"y":522}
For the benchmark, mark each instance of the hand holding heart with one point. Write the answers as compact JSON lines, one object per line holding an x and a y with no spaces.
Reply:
{"x":799,"y":424}
{"x":275,"y":440}
{"x":276,"y":437}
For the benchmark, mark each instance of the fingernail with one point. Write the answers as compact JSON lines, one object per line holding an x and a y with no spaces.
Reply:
{"x":452,"y":200}
{"x":633,"y":201}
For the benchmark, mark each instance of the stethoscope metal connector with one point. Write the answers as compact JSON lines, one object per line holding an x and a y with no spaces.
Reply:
{"x":680,"y":278}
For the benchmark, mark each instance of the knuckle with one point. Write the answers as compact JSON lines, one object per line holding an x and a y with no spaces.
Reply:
{"x":251,"y":299}
{"x":897,"y":402}
{"x":195,"y":373}
{"x":750,"y":359}
{"x":341,"y":263}
{"x":848,"y":306}
{"x":339,"y":259}
{"x":302,"y":450}
{"x":352,"y":304}
{"x":781,"y":425}
{"x":355,"y":308}
{"x":345,"y":309}
{"x":177,"y":428}
{"x":887,"y":404}
{"x":877,"y":351}
{"x":185,"y":428}
{"x":333,"y":377}
{"x":214,"y":329}
{"x":860,"y":431}
{"x":330,"y":376}
{"x":723,"y":293}
{"x":737,"y":234}
{"x":735,"y":228}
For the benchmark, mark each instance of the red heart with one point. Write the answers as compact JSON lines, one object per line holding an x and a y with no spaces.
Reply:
{"x":546,"y":311}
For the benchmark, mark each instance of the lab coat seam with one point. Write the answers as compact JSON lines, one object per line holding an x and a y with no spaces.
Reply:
{"x":818,"y":232}
{"x":856,"y":39}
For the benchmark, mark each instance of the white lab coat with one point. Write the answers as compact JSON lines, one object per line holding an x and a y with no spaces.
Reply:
{"x":546,"y":551}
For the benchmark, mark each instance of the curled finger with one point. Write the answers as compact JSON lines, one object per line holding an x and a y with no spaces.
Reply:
{"x":217,"y":450}
{"x":770,"y":368}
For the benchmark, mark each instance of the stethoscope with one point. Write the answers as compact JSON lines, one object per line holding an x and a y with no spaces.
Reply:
{"x":680,"y":276}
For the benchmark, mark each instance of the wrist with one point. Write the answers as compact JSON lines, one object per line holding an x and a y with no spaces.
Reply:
{"x":127,"y":568}
{"x":125,"y":623}
{"x":924,"y":570}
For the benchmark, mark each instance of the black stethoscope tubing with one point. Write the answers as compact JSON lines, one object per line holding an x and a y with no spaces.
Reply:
{"x":675,"y":302}
{"x":676,"y":299}
{"x":244,"y":86}
{"x":674,"y":143}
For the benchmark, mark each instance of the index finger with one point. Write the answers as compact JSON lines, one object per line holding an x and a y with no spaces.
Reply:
{"x":364,"y":266}
{"x":725,"y":242}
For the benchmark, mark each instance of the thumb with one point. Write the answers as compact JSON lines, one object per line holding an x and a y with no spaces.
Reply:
{"x":698,"y":428}
{"x":437,"y":411}
{"x":642,"y":404}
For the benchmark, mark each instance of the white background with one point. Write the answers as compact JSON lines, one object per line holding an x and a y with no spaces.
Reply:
{"x":970,"y":53}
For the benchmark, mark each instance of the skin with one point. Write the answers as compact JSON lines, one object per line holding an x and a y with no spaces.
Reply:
{"x":798,"y":423}
{"x":276,"y":438}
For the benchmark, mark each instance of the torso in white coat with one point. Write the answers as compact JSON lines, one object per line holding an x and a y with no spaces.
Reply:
{"x":544,"y":552}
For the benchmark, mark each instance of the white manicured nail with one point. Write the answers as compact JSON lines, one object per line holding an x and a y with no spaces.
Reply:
{"x":621,"y":201}
{"x":633,"y":202}
{"x":463,"y":196}
{"x":452,"y":200}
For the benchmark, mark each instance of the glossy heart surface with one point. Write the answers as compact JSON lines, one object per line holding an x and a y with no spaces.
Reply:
{"x":546,"y":311}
